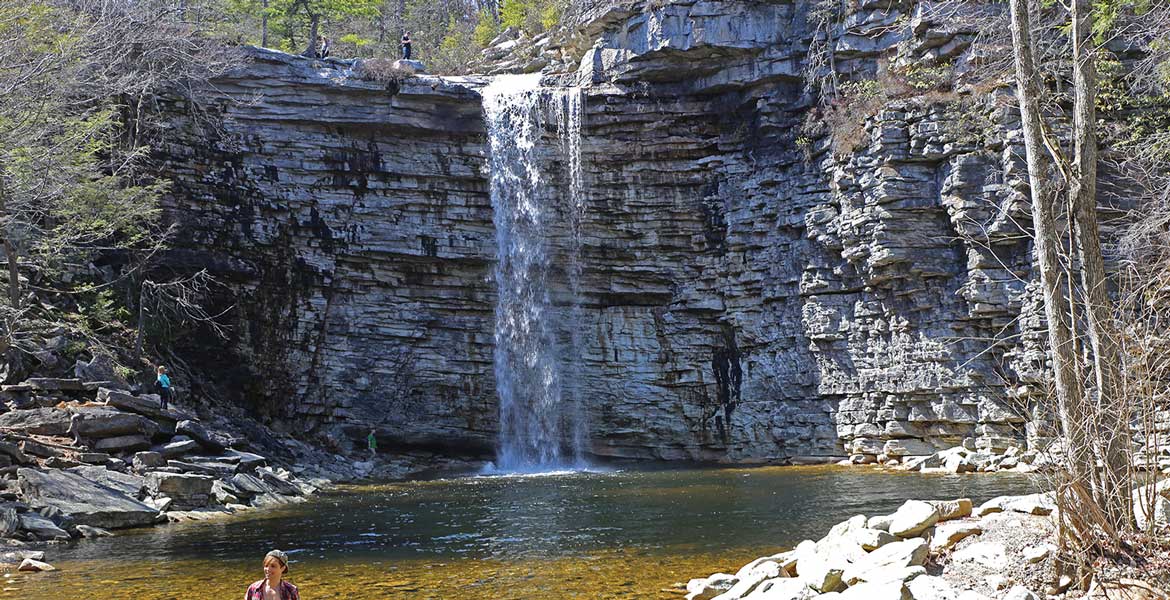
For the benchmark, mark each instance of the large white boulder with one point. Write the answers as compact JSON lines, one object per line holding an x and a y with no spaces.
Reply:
{"x":907,"y":553}
{"x":708,"y":587}
{"x":947,"y":535}
{"x":912,"y":518}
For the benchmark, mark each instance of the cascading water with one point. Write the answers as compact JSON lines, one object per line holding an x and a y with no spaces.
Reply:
{"x":541,"y":427}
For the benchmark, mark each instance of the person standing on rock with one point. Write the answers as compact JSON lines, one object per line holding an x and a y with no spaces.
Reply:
{"x":273,"y":586}
{"x":165,"y":391}
{"x":406,"y":45}
{"x":372,"y":443}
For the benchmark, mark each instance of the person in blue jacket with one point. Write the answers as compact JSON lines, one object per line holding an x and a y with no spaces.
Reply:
{"x":166,"y":393}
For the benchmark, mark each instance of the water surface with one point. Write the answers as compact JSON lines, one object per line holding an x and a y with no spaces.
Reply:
{"x":629,"y":534}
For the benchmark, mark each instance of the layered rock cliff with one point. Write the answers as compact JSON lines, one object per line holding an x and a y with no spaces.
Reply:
{"x":749,"y":290}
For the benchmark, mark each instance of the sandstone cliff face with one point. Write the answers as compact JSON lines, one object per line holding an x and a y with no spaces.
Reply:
{"x":745,"y":294}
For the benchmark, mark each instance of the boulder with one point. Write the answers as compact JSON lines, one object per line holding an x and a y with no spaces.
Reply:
{"x":9,"y":521}
{"x":895,"y":590}
{"x":249,"y":485}
{"x":188,"y":490}
{"x":880,"y":522}
{"x":94,"y":458}
{"x":17,"y":556}
{"x":278,"y":483}
{"x":872,"y":539}
{"x":782,"y":589}
{"x":177,"y":448}
{"x":147,"y":405}
{"x":908,"y":553}
{"x":148,"y":460}
{"x":83,"y":501}
{"x":930,"y":587}
{"x":912,"y":518}
{"x":214,"y":441}
{"x":105,"y":422}
{"x":92,"y":532}
{"x":35,"y":566}
{"x":247,"y":460}
{"x":1032,"y":504}
{"x":1020,"y":592}
{"x":37,"y":421}
{"x":709,"y":587}
{"x":50,"y":384}
{"x":41,"y":527}
{"x":821,"y":572}
{"x":57,"y":462}
{"x":949,"y":510}
{"x":213,"y":469}
{"x":13,"y":452}
{"x":409,"y":67}
{"x":947,"y":535}
{"x":907,"y":447}
{"x":123,"y":443}
{"x":989,"y":554}
{"x":1035,"y":554}
{"x":224,"y":493}
{"x":749,"y":581}
{"x":1157,"y":514}
{"x":130,"y":485}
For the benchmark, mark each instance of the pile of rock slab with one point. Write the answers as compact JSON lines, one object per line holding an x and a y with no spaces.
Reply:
{"x":907,"y":555}
{"x":966,"y":458}
{"x":79,"y":458}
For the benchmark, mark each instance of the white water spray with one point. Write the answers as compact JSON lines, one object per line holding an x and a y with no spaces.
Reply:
{"x":541,"y":426}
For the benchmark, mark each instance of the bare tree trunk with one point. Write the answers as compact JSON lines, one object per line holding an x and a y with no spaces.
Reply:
{"x":314,"y":22}
{"x":401,"y":17}
{"x":1069,"y":393}
{"x":1115,"y":495}
{"x":10,"y":253}
{"x":264,"y":26}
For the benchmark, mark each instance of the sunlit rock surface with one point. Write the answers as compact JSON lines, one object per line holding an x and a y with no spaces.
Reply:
{"x":746,"y":293}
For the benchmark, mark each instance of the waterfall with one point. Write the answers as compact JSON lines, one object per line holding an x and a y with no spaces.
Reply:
{"x":541,"y":424}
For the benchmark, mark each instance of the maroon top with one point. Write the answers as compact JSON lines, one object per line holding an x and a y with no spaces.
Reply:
{"x":288,"y":591}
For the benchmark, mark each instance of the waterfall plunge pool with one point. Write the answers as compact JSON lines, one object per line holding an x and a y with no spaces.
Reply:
{"x":619,"y":534}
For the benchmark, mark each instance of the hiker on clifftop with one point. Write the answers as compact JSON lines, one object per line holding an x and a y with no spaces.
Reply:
{"x":323,"y":46}
{"x":273,"y":586}
{"x":406,"y":45}
{"x":162,"y":383}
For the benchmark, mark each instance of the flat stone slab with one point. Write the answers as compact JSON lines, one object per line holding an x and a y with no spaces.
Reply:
{"x":85,"y":502}
{"x":38,"y":421}
{"x":52,"y":384}
{"x":104,"y":422}
{"x":123,"y":443}
{"x":147,"y":404}
{"x":130,"y":485}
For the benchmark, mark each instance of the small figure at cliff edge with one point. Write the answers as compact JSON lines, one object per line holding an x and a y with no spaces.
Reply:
{"x":406,"y":45}
{"x":162,"y":383}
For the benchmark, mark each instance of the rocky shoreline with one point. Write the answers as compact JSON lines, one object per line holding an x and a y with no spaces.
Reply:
{"x":79,"y":458}
{"x":926,"y":550}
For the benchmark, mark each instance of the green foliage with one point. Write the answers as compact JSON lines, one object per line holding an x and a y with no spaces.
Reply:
{"x":533,"y":16}
{"x":486,"y":28}
{"x":515,"y":13}
{"x":101,"y":312}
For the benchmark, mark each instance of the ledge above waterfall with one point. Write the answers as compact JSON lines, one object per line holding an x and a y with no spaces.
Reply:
{"x":287,"y":87}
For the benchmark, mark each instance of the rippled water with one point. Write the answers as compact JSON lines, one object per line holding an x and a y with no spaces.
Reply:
{"x":579,"y":535}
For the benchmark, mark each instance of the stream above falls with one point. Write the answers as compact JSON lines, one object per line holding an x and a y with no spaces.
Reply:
{"x":604,"y":534}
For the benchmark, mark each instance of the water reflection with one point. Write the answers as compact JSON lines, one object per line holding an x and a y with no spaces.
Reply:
{"x":522,"y":534}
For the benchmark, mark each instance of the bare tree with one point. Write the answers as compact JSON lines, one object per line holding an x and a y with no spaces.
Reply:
{"x":184,"y":300}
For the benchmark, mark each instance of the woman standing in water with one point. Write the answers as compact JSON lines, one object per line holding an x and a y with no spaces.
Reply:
{"x":273,"y":586}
